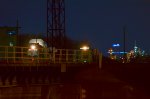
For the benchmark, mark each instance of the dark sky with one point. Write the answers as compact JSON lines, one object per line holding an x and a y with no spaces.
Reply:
{"x":98,"y":21}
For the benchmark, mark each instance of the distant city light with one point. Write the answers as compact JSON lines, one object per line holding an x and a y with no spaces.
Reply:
{"x":118,"y":52}
{"x":116,"y":45}
{"x":12,"y":33}
{"x":122,"y":52}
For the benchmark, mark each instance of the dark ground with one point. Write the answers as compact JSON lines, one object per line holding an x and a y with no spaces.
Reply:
{"x":135,"y":74}
{"x":115,"y":80}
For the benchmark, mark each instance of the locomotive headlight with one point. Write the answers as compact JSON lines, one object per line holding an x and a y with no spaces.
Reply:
{"x":33,"y":47}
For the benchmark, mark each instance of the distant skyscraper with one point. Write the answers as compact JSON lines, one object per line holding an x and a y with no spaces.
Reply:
{"x":138,"y":51}
{"x":135,"y":49}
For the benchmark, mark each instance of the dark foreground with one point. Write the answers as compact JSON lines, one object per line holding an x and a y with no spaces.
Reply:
{"x":113,"y":81}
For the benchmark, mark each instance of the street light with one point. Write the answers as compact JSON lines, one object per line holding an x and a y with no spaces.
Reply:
{"x":85,"y":48}
{"x":85,"y":55}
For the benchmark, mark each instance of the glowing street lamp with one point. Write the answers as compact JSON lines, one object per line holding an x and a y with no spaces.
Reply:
{"x":84,"y":48}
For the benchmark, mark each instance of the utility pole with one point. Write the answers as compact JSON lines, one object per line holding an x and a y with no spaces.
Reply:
{"x":17,"y":32}
{"x":124,"y":44}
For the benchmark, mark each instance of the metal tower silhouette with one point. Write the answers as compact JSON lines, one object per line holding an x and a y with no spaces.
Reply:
{"x":56,"y":23}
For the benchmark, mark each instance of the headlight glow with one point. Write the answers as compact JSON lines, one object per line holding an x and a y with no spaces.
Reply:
{"x":33,"y":47}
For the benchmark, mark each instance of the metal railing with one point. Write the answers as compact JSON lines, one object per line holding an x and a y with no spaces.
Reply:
{"x":17,"y":54}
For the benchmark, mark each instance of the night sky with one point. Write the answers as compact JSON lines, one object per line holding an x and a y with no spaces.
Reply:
{"x":100,"y":22}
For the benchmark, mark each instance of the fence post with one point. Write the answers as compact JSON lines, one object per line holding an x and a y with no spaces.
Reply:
{"x":66,"y":55}
{"x":100,"y":60}
{"x":6,"y":53}
{"x":22,"y":54}
{"x":74,"y":56}
{"x":14,"y":54}
{"x":54,"y":55}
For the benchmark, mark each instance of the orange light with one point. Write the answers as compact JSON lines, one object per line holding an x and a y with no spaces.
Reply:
{"x":33,"y":47}
{"x":84,"y":48}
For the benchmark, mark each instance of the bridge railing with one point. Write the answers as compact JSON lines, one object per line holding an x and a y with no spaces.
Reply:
{"x":17,"y":54}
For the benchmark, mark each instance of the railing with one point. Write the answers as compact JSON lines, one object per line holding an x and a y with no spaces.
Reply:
{"x":43,"y":55}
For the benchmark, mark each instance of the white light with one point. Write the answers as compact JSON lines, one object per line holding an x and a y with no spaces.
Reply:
{"x":38,"y":41}
{"x":116,"y":45}
{"x":84,"y":48}
{"x":85,"y":61}
{"x":33,"y":47}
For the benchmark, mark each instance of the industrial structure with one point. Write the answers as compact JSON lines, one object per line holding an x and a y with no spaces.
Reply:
{"x":42,"y":72}
{"x":36,"y":72}
{"x":56,"y":23}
